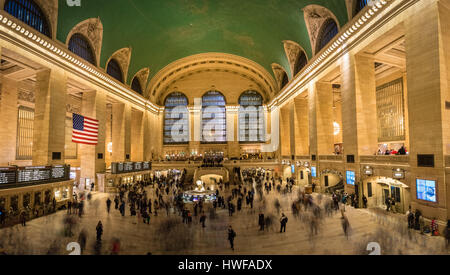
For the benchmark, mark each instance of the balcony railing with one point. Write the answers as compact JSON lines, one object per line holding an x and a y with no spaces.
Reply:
{"x":385,"y":159}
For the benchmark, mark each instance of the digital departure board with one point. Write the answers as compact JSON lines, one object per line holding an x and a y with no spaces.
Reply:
{"x":128,"y":167}
{"x":138,"y":166}
{"x":7,"y":175}
{"x":33,"y":174}
{"x":58,"y":172}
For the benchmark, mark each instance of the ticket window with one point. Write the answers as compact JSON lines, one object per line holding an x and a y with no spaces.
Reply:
{"x":47,"y":197}
{"x":26,"y":200}
{"x":2,"y":204}
{"x":58,"y":195}
{"x":15,"y":203}
{"x":37,"y":198}
{"x":65,"y":193}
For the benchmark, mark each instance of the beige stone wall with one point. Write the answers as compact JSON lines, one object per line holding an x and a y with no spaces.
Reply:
{"x":8,"y":119}
{"x":301,"y":127}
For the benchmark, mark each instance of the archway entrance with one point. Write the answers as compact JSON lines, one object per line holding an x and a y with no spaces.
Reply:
{"x":377,"y":189}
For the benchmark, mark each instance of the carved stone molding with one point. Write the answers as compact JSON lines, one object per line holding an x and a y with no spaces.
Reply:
{"x":142,"y":77}
{"x":315,"y":16}
{"x":26,"y":95}
{"x":278,"y":71}
{"x":293,"y":50}
{"x":70,"y":108}
{"x":123,"y":57}
{"x":92,"y":29}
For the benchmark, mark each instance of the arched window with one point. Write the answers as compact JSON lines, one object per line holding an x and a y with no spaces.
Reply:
{"x":114,"y":70}
{"x":300,"y":63}
{"x":176,"y":119}
{"x":136,"y":86}
{"x":360,"y":4}
{"x":214,"y":121}
{"x":81,"y":47}
{"x":28,"y":12}
{"x":251,"y":118}
{"x":328,"y":32}
{"x":285,"y":80}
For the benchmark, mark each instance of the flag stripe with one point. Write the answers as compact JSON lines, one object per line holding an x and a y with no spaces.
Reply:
{"x":85,"y":130}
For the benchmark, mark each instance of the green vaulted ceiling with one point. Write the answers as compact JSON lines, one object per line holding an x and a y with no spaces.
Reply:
{"x":163,"y":31}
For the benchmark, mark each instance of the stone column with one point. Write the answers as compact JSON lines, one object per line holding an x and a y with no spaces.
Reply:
{"x":359,"y":109}
{"x":301,"y":127}
{"x":321,"y":118}
{"x":232,"y":117}
{"x":147,"y":151}
{"x":8,"y":119}
{"x":94,"y":106}
{"x":195,"y":128}
{"x":137,"y":138}
{"x":285,"y":130}
{"x":49,"y":117}
{"x":121,"y":132}
{"x":426,"y":38}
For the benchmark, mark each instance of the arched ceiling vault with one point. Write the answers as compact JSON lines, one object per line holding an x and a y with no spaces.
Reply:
{"x":162,"y":32}
{"x":163,"y":82}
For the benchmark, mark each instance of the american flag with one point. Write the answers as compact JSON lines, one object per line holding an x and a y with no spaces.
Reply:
{"x":85,"y":130}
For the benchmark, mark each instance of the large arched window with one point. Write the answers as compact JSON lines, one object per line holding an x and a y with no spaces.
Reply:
{"x":176,"y":119}
{"x":214,"y":121}
{"x":360,"y":4}
{"x":300,"y":63}
{"x":136,"y":85}
{"x":114,"y":70}
{"x":328,"y":32}
{"x":251,"y":118}
{"x":79,"y":45}
{"x":28,"y":12}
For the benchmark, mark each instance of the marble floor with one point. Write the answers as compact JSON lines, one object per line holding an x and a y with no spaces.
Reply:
{"x":167,"y":235}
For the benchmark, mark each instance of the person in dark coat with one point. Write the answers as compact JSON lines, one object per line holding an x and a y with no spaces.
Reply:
{"x":283,"y":222}
{"x":108,"y":205}
{"x":203,"y":220}
{"x":261,"y":222}
{"x":99,"y":229}
{"x":231,"y":236}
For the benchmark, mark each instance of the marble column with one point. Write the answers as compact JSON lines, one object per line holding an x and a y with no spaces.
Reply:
{"x":92,"y":157}
{"x":137,"y":137}
{"x":320,"y":102}
{"x":8,"y":119}
{"x":49,"y":117}
{"x":121,"y":132}
{"x":301,"y":127}
{"x":426,"y":38}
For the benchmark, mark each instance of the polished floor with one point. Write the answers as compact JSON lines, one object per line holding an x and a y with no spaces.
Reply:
{"x":167,"y":235}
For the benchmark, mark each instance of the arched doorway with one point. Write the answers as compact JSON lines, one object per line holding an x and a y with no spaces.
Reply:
{"x":377,"y":189}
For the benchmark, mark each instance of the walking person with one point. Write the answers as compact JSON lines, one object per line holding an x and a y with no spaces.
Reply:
{"x":345,"y":225}
{"x":108,"y":205}
{"x":261,"y":222}
{"x":283,"y":222}
{"x":447,"y":235}
{"x":99,"y":229}
{"x":203,"y":220}
{"x":231,"y":236}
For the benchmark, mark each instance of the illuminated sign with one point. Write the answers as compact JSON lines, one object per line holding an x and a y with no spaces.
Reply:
{"x":351,"y":177}
{"x":313,"y":171}
{"x":426,"y":190}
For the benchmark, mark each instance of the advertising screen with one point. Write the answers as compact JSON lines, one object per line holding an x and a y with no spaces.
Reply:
{"x":350,"y":177}
{"x":426,"y":190}
{"x":313,"y":171}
